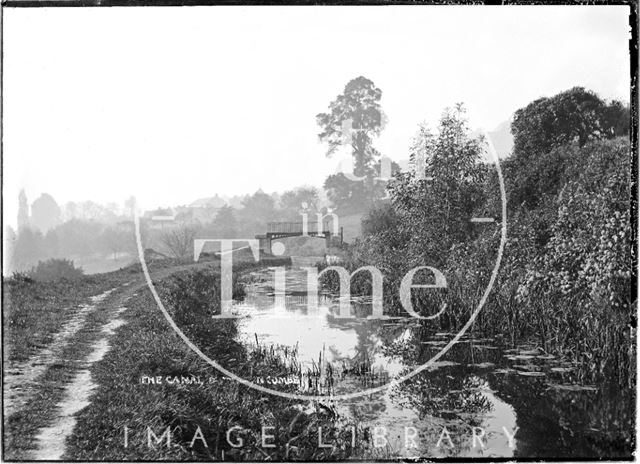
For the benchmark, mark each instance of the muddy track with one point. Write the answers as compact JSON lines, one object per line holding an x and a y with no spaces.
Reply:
{"x":50,"y":441}
{"x":21,"y":379}
{"x":89,"y":328}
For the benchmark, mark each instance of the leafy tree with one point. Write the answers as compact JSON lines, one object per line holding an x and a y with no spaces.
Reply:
{"x":51,"y":244}
{"x":436,"y":205}
{"x":78,"y":237}
{"x":383,"y":221}
{"x":27,"y":249}
{"x":185,"y":216}
{"x":115,"y":240}
{"x":575,"y":115}
{"x":8,"y":243}
{"x":94,"y":211}
{"x":349,"y":197}
{"x":359,"y":105}
{"x":69,"y":211}
{"x":225,"y":223}
{"x":291,"y":202}
{"x":615,"y":119}
{"x":45,"y":213}
{"x":355,"y":117}
{"x":258,"y":209}
{"x":23,"y":210}
{"x":346,"y":196}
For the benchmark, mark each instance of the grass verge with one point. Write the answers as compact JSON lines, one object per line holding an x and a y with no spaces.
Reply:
{"x":207,"y":409}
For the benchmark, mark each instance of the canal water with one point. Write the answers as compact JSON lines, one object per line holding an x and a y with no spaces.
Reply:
{"x":485,"y":398}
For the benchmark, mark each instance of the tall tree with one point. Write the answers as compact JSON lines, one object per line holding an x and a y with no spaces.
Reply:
{"x":8,"y":244}
{"x":359,"y":106}
{"x":437,"y":207}
{"x":45,"y":213}
{"x":225,"y":223}
{"x":354,"y":118}
{"x":23,"y":211}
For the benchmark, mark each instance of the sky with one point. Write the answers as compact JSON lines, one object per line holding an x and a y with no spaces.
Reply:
{"x":175,"y":104}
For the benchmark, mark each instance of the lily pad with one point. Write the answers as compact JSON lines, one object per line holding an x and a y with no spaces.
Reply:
{"x":532,"y":373}
{"x":505,"y":371}
{"x":485,"y":347}
{"x":573,"y":388}
{"x":561,"y":369}
{"x":483,"y":365}
{"x":525,"y":367}
{"x":520,"y":357}
{"x":535,"y":351}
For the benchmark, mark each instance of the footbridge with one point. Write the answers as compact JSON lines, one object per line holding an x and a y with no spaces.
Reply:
{"x":276,"y":230}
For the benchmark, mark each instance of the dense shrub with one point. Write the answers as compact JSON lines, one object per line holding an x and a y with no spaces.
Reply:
{"x":567,"y":276}
{"x":55,"y":269}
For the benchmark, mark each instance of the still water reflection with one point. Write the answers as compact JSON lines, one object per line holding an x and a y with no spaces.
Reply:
{"x":484,"y":398}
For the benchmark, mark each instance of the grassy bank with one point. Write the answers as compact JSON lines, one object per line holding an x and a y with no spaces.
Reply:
{"x":20,"y":428}
{"x":147,"y":346}
{"x":34,"y":311}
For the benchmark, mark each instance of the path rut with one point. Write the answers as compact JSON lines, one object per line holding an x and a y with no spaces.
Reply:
{"x":26,"y":382}
{"x":50,"y":441}
{"x":21,"y":380}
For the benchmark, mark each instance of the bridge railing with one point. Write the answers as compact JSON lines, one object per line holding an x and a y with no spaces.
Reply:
{"x":293,"y":228}
{"x":284,"y":227}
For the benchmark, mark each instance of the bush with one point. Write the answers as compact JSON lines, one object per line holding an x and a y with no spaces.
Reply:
{"x":55,"y":269}
{"x":566,"y":282}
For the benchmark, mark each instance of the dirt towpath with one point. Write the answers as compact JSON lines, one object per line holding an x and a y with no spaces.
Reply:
{"x":61,"y":371}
